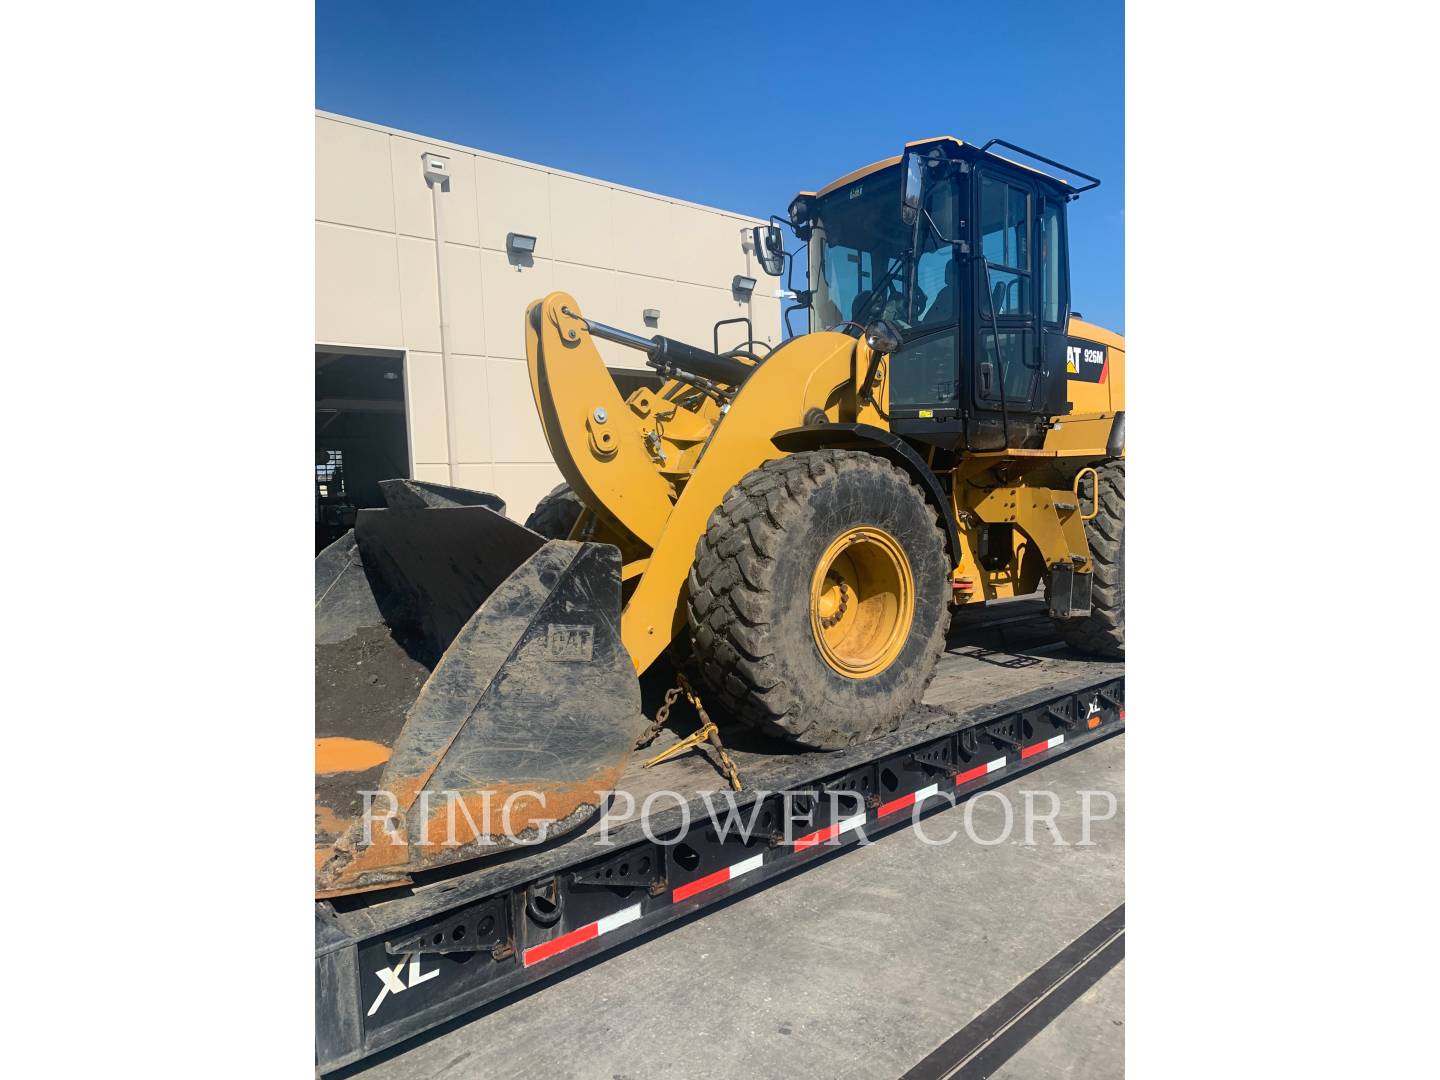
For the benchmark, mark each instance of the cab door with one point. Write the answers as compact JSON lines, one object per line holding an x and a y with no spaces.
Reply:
{"x":1009,"y":390}
{"x":925,"y":371}
{"x":1054,"y":306}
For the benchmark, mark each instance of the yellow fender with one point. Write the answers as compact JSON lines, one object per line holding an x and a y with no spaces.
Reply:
{"x":817,"y":364}
{"x":618,"y":477}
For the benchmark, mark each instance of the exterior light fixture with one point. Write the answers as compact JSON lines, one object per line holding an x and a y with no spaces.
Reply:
{"x":519,"y":243}
{"x":436,"y":167}
{"x":743,"y":284}
{"x":651,"y":314}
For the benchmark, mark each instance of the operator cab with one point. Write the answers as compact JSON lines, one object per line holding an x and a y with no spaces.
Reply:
{"x":958,"y":257}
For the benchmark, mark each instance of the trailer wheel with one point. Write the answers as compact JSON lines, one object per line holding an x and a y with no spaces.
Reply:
{"x":1102,"y":632}
{"x":818,"y":597}
{"x":555,"y":515}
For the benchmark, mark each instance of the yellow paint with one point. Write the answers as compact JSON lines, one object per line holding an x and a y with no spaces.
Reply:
{"x":1095,"y":398}
{"x":1053,"y":524}
{"x":654,"y":467}
{"x":862,"y":602}
{"x":597,"y":440}
{"x":1080,"y":435}
{"x":918,"y":145}
{"x":858,"y":174}
{"x":802,"y":375}
{"x":655,"y":508}
{"x":337,"y":755}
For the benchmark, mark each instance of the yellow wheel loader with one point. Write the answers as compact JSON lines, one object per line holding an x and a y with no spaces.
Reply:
{"x":793,"y":527}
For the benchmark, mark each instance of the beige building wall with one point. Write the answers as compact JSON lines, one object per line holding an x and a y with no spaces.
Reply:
{"x":379,"y":284}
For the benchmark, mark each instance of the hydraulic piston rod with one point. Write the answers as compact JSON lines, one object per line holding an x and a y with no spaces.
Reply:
{"x":671,"y":357}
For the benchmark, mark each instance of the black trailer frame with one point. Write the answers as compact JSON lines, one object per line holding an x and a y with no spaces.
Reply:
{"x":390,"y":968}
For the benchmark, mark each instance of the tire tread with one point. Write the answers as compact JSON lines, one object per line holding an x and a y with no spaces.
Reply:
{"x":1102,"y":632}
{"x":729,"y":598}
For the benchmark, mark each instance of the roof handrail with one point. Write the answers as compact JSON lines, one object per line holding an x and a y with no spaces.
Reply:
{"x":1094,"y":180}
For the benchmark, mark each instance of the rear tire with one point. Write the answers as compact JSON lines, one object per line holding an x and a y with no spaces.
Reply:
{"x":555,"y":515}
{"x":1102,"y":632}
{"x":763,"y":592}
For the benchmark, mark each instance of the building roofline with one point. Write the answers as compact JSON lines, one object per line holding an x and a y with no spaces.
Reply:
{"x":461,"y":148}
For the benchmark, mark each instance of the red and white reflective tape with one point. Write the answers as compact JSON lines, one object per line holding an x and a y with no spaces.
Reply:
{"x":907,"y":801}
{"x":547,"y":949}
{"x":1048,"y":744}
{"x":979,"y":771}
{"x":830,"y":832}
{"x":719,"y":877}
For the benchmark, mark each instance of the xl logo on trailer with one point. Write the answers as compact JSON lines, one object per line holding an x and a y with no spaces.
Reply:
{"x":394,"y":984}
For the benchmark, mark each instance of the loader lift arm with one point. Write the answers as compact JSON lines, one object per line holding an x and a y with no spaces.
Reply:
{"x":600,"y":445}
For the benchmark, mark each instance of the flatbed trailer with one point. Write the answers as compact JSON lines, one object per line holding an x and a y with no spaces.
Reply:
{"x":1007,"y":698}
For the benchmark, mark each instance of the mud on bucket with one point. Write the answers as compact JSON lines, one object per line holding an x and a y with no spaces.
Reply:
{"x":471,"y":676}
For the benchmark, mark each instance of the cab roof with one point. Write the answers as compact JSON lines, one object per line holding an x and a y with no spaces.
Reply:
{"x":957,"y":146}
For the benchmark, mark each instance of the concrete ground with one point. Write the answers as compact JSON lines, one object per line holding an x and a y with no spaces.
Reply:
{"x":1087,"y":1039}
{"x":857,"y":967}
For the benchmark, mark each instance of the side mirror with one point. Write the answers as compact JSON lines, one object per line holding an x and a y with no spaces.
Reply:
{"x":911,"y":187}
{"x":769,"y":247}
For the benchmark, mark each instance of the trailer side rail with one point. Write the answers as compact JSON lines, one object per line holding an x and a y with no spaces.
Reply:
{"x":377,"y":991}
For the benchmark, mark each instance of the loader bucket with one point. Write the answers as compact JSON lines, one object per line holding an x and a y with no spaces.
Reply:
{"x":472,"y":692}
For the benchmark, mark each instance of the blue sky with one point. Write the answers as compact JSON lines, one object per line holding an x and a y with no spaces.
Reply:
{"x":739,"y":105}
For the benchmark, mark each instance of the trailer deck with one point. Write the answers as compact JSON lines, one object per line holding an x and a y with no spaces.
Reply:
{"x":1007,"y":698}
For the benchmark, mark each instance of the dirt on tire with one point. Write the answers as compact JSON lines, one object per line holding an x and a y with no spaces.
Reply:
{"x":749,"y":597}
{"x":1102,"y":632}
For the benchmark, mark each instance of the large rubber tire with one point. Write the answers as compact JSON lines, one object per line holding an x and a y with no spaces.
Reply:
{"x":750,"y":597}
{"x":1102,"y":632}
{"x":555,"y":515}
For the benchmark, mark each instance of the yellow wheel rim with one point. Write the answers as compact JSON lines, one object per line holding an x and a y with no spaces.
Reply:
{"x":862,"y":602}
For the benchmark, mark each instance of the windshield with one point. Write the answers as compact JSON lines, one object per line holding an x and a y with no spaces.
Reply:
{"x":860,"y":258}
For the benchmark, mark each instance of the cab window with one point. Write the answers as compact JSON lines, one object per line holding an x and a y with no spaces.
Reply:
{"x":936,"y":301}
{"x":1052,"y":260}
{"x":845,"y":273}
{"x":1015,"y":352}
{"x":1005,"y":222}
{"x":922,"y":372}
